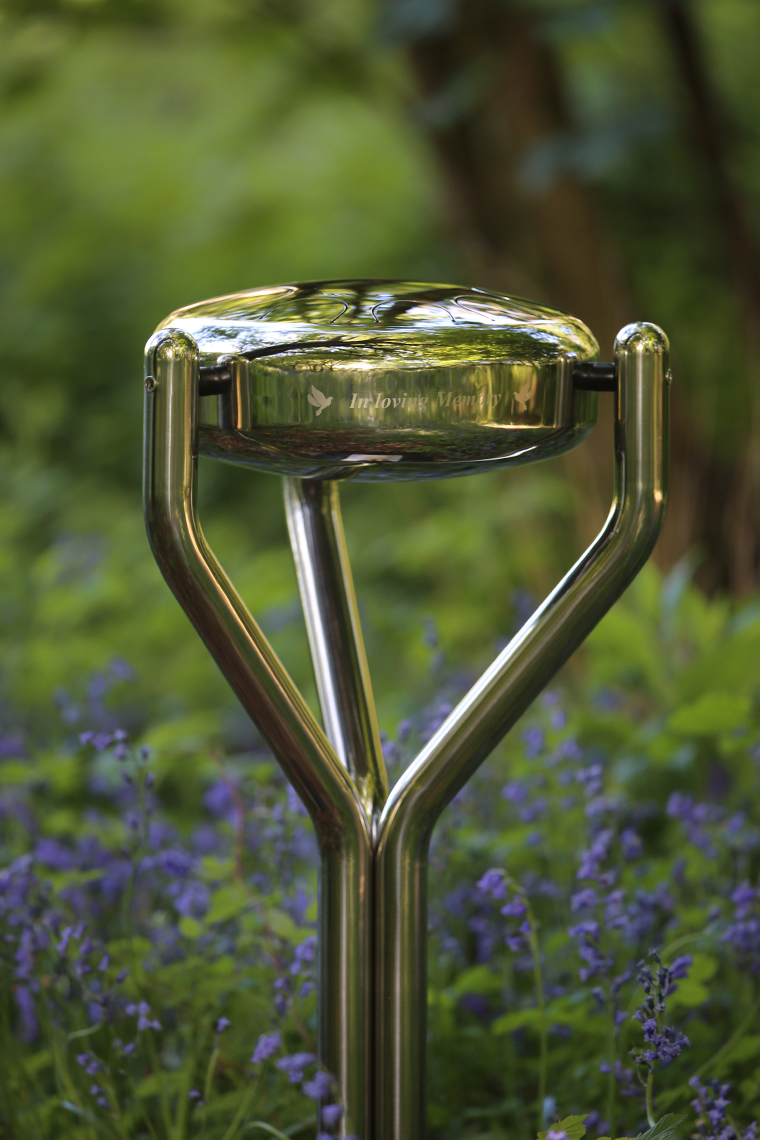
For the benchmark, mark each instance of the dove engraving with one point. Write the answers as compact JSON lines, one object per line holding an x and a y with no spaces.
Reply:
{"x":524,"y":394}
{"x":319,"y":400}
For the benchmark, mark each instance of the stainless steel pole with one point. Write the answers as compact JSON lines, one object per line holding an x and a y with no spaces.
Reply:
{"x":490,"y":709}
{"x":335,"y":635}
{"x":274,"y":704}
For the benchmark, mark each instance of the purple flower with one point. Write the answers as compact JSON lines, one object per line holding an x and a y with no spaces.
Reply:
{"x":305,"y":953}
{"x":531,"y":812}
{"x":584,"y":899}
{"x":516,"y":791}
{"x":630,"y":844}
{"x":222,"y":1024}
{"x":319,"y":1086}
{"x":591,"y":780}
{"x":680,"y":967}
{"x":331,"y":1114}
{"x":27,"y":1014}
{"x":493,"y":884}
{"x":568,"y":749}
{"x":711,"y":1106}
{"x":219,"y":800}
{"x":587,"y":929}
{"x":694,"y":819}
{"x":267,"y":1044}
{"x":515,"y":908}
{"x":743,"y":934}
{"x":192,"y":900}
{"x":533,"y":739}
{"x":52,"y":854}
{"x":142,"y":1013}
{"x":294,"y":1065}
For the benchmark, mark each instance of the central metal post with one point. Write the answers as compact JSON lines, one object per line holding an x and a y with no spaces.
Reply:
{"x":374,"y":844}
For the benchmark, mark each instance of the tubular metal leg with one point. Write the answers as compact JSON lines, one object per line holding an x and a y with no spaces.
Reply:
{"x":335,"y":636}
{"x":343,"y":681}
{"x":490,"y":709}
{"x":274,"y":704}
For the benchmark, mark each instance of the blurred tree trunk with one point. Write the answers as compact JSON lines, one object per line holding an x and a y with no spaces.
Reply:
{"x":491,"y":100}
{"x":726,"y":524}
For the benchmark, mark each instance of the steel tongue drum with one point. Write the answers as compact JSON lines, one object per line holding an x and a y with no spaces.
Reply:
{"x":373,"y":380}
{"x":386,"y":380}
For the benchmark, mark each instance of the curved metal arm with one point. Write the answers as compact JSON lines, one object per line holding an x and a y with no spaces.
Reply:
{"x":335,"y":635}
{"x":490,"y":709}
{"x":274,"y":704}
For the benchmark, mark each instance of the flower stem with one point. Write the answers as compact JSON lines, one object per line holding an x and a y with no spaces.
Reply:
{"x":611,"y":1082}
{"x":543,"y":1060}
{"x":245,"y":1104}
{"x":650,"y":1106}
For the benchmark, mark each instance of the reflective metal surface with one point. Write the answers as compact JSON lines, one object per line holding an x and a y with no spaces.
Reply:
{"x":274,"y":704}
{"x":386,"y":379}
{"x":373,"y":875}
{"x":335,"y":635}
{"x":490,"y":709}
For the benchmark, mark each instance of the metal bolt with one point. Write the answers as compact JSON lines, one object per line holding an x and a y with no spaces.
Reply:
{"x":150,"y":383}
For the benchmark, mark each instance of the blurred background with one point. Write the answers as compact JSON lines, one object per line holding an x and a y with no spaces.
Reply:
{"x":602,"y":156}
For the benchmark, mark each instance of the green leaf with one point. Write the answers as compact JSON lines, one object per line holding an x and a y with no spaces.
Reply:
{"x":267,"y":1128}
{"x":664,"y":1129}
{"x":744,"y":1050}
{"x":283,"y":926}
{"x":509,"y":1022}
{"x":572,"y":1125}
{"x":84,"y":1032}
{"x":157,"y":1083}
{"x":216,"y":869}
{"x":227,"y":902}
{"x":692,"y":991}
{"x":190,"y":927}
{"x":713,"y":713}
{"x":478,"y":980}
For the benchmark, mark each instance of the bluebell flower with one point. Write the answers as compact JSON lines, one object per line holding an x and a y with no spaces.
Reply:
{"x":569,"y":748}
{"x":331,"y":1114}
{"x":534,"y":741}
{"x":711,"y":1106}
{"x":493,"y":884}
{"x":531,"y":812}
{"x":630,"y":844}
{"x":266,"y":1046}
{"x":219,"y":800}
{"x":142,"y":1012}
{"x":319,"y":1086}
{"x":305,"y":953}
{"x":584,"y":899}
{"x":404,"y":730}
{"x":743,"y":933}
{"x":516,"y":791}
{"x":294,"y":1065}
{"x":515,"y":908}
